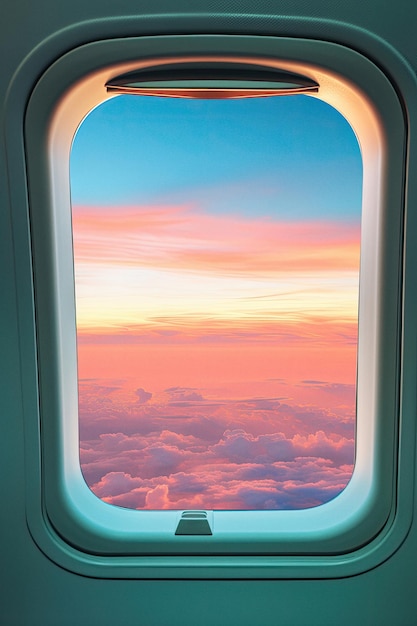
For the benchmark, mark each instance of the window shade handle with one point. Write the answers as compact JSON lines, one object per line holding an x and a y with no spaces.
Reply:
{"x":214,"y":80}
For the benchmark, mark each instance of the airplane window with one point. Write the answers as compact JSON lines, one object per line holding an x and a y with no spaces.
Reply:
{"x":216,"y":251}
{"x":203,"y":358}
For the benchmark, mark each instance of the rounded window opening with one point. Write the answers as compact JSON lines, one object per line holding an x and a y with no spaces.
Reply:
{"x":216,"y":252}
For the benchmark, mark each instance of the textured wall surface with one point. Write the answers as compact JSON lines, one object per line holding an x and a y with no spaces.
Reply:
{"x":33,"y":590}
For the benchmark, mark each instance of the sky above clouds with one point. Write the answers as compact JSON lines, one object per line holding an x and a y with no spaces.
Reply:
{"x":216,"y":249}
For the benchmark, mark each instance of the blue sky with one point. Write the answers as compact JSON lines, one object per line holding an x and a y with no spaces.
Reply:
{"x":284,"y":157}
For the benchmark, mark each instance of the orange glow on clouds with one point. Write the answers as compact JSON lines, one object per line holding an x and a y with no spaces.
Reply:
{"x":146,"y":265}
{"x":182,"y":237}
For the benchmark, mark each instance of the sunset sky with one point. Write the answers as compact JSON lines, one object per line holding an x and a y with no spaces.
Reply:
{"x":216,"y":249}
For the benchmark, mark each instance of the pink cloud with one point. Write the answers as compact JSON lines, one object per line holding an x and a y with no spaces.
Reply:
{"x":305,"y":331}
{"x":171,"y":470}
{"x":254,"y":452}
{"x":103,"y":412}
{"x":183,"y":394}
{"x":143,"y":396}
{"x":157,"y":498}
{"x":311,"y":483}
{"x":115,"y":483}
{"x":185,"y":238}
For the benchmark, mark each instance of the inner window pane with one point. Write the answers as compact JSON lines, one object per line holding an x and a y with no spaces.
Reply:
{"x":216,"y":251}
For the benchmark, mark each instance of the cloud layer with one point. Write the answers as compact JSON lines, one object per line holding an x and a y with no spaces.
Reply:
{"x":185,"y":237}
{"x":178,"y":266}
{"x":179,"y":450}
